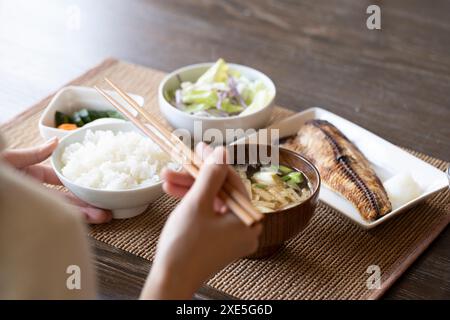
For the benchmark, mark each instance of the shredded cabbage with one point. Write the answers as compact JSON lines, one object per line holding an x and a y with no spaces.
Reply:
{"x":221,"y":92}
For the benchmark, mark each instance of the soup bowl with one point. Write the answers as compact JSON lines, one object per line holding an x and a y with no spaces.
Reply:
{"x":281,"y":225}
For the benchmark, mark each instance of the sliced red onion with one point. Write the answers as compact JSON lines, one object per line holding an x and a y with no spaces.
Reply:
{"x":220,"y":96}
{"x":234,"y":91}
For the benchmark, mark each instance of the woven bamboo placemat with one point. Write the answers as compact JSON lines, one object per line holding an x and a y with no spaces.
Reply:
{"x":328,"y":260}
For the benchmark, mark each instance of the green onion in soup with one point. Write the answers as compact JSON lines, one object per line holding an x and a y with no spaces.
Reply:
{"x":273,"y":188}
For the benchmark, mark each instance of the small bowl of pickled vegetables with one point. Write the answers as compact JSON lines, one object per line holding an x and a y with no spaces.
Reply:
{"x":217,"y":95}
{"x":75,"y":107}
{"x":82,"y":117}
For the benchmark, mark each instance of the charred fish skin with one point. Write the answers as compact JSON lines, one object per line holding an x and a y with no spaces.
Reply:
{"x":342,"y":167}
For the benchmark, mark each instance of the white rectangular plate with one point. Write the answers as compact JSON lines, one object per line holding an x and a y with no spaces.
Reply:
{"x":385,"y":158}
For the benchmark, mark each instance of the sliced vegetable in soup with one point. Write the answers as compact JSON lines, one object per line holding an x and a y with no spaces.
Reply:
{"x":273,"y":188}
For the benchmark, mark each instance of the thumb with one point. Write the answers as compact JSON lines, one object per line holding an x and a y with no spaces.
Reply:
{"x":212,"y":176}
{"x":21,"y":158}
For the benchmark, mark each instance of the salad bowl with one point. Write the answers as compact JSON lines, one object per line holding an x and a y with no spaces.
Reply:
{"x":255,"y":115}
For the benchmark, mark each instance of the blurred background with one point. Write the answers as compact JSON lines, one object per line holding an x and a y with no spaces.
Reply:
{"x":319,"y":53}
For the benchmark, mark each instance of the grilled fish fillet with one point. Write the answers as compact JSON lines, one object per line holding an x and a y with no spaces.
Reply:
{"x":342,"y":167}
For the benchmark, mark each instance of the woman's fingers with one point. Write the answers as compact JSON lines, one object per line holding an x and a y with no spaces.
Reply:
{"x":180,"y":182}
{"x":73,"y":198}
{"x":203,"y":150}
{"x":175,"y":190}
{"x":29,"y":161}
{"x":212,"y":176}
{"x":20,"y":158}
{"x":178,"y":191}
{"x":220,"y":206}
{"x":235,"y":180}
{"x":248,"y":236}
{"x":181,"y":178}
{"x":94,"y":215}
{"x":42,"y":173}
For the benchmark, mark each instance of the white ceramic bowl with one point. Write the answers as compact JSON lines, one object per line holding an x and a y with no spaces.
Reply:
{"x":123,"y":203}
{"x":180,"y":119}
{"x":73,"y":98}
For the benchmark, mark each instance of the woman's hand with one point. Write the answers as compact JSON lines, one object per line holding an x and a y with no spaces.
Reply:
{"x":200,"y":237}
{"x":178,"y":183}
{"x":29,"y":161}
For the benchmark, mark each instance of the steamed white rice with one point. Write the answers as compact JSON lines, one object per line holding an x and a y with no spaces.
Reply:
{"x":104,"y":160}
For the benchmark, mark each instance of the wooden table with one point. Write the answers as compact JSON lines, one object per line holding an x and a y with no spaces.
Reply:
{"x":394,"y":81}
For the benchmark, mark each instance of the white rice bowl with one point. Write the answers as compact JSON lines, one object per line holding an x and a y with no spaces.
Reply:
{"x":114,"y":161}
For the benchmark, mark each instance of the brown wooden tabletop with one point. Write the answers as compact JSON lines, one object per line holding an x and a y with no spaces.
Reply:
{"x":395,"y":81}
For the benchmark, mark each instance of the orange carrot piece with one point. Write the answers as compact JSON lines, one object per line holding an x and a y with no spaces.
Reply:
{"x":68,"y":126}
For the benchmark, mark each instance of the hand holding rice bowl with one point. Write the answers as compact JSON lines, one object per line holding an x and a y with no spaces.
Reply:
{"x":111,"y":166}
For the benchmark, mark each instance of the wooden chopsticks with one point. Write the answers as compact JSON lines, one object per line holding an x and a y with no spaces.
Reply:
{"x":171,"y":144}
